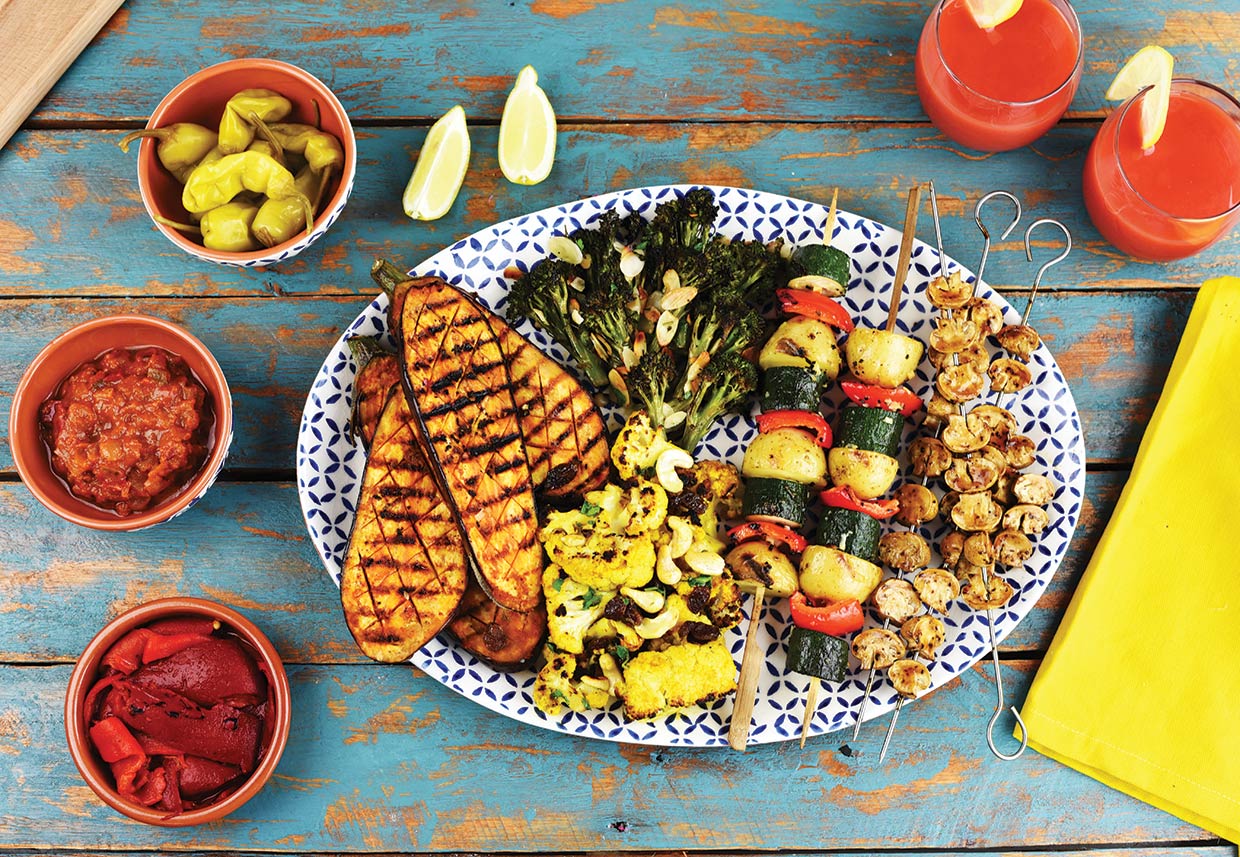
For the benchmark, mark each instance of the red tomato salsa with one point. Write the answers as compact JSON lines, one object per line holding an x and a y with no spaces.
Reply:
{"x":179,"y":712}
{"x":128,"y":429}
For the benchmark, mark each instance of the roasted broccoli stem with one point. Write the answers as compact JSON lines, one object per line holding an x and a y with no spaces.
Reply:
{"x":725,"y":383}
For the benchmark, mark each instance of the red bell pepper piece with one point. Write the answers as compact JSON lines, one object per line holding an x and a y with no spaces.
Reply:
{"x":773,"y":533}
{"x":125,"y":656}
{"x":814,"y":305}
{"x":842,"y":497}
{"x":114,"y":741}
{"x":814,"y":423}
{"x":837,"y":618}
{"x":160,"y":646}
{"x":900,"y":399}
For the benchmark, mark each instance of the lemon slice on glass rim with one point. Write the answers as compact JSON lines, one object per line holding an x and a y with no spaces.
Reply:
{"x":440,"y":169}
{"x":527,"y":132}
{"x":1149,"y":67}
{"x":989,"y":14}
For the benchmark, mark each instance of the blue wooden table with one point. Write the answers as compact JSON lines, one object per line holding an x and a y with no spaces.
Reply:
{"x":789,"y":97}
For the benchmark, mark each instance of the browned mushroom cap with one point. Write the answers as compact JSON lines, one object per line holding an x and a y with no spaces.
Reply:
{"x":950,"y":292}
{"x":976,"y":513}
{"x":1034,"y":488}
{"x":952,"y":335}
{"x":936,"y":588}
{"x":903,"y":551}
{"x":878,"y":648}
{"x":1020,"y":339}
{"x":938,"y":410}
{"x":929,"y":457}
{"x":917,"y":504}
{"x":965,"y":433}
{"x":984,"y":591}
{"x":974,"y":354}
{"x":924,"y":634}
{"x":961,"y":383}
{"x":952,"y":548}
{"x":978,"y":550}
{"x":985,"y":314}
{"x":948,"y":502}
{"x":1008,"y":375}
{"x":1030,"y":520}
{"x":975,"y":473}
{"x":909,"y":678}
{"x":896,"y":600}
{"x":1012,"y":548}
{"x":1020,"y":451}
{"x":1001,"y":421}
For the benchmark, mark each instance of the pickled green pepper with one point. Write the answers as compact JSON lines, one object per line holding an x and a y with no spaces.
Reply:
{"x":227,"y":227}
{"x":212,"y":185}
{"x":236,"y":131}
{"x":181,"y":146}
{"x":320,"y":149}
{"x":278,"y":220}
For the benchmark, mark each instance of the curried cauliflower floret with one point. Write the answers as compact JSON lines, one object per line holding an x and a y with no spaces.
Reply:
{"x":685,"y":674}
{"x":612,"y":630}
{"x":608,"y":542}
{"x":638,"y":446}
{"x":572,"y":608}
{"x":712,"y":495}
{"x":557,"y":686}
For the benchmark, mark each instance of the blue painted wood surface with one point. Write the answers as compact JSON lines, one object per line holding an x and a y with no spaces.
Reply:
{"x":787,"y":97}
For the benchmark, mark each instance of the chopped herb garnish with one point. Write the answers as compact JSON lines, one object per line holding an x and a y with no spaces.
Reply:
{"x":559,"y":694}
{"x":700,"y":580}
{"x":590,"y":599}
{"x":557,"y":584}
{"x":590,"y":509}
{"x":622,"y":654}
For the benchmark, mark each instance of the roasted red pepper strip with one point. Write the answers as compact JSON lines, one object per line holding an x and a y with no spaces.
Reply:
{"x":837,"y":618}
{"x":814,"y":305}
{"x":114,"y":741}
{"x":814,"y":423}
{"x":900,"y":399}
{"x":844,"y":498}
{"x":774,"y":533}
{"x":125,"y":656}
{"x":160,"y":646}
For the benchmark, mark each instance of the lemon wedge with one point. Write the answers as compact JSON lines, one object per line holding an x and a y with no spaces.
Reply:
{"x":1150,"y":66}
{"x":989,"y":14}
{"x":527,"y":132}
{"x":440,"y":169}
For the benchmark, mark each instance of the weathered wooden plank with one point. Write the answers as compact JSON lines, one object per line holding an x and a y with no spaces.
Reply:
{"x":642,"y":59}
{"x":73,"y":222}
{"x":1111,"y":851}
{"x":384,"y":760}
{"x":1115,"y":350}
{"x":245,"y":545}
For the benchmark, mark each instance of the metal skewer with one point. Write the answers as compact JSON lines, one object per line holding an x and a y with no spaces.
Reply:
{"x":1000,"y":703}
{"x":981,"y":270}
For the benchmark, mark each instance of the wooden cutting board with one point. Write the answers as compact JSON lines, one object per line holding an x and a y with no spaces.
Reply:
{"x":41,"y":39}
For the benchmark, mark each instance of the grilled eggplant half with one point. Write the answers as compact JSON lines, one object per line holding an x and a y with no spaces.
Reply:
{"x":565,"y":438}
{"x":505,"y":639}
{"x":404,"y":573}
{"x":456,"y":379}
{"x":378,"y":372}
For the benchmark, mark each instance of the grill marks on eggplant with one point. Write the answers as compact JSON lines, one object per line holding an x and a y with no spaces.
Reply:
{"x":404,"y":573}
{"x":457,"y":375}
{"x":371,"y":387}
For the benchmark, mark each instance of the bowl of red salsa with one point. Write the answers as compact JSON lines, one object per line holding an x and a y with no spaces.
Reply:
{"x":177,"y":712}
{"x":121,"y":422}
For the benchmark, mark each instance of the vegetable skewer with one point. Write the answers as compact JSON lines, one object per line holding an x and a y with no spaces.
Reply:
{"x":787,"y":457}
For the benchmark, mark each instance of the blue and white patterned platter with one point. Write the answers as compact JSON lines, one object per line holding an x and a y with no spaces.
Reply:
{"x":330,"y":464}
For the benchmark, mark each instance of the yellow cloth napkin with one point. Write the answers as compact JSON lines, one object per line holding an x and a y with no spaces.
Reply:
{"x":1141,"y":686}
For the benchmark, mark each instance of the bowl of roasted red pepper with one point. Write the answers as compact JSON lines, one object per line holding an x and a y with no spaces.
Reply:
{"x":177,"y":712}
{"x":246,"y":162}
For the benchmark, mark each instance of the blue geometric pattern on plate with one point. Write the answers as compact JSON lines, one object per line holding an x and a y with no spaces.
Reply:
{"x":329,"y":463}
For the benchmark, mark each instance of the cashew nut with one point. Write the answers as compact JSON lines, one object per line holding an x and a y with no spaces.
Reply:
{"x":666,"y":567}
{"x":657,"y":626}
{"x":649,"y":600}
{"x":682,"y":535}
{"x":704,"y":560}
{"x":665,"y":469}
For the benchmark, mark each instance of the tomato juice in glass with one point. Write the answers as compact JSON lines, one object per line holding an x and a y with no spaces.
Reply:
{"x":1001,"y":88}
{"x":1180,"y":195}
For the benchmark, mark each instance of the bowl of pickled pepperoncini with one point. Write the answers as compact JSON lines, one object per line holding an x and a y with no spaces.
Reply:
{"x":246,"y":163}
{"x":121,"y":423}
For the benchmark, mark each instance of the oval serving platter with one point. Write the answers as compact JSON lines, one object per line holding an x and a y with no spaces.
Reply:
{"x":330,"y":463}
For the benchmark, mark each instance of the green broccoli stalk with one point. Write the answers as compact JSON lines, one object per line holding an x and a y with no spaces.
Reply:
{"x":718,"y":327}
{"x":650,"y":384}
{"x":545,"y":297}
{"x":723,"y":385}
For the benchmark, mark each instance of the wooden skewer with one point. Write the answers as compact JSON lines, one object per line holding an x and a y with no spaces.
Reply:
{"x":906,"y":252}
{"x":747,"y":684}
{"x":811,"y":705}
{"x":829,"y":229}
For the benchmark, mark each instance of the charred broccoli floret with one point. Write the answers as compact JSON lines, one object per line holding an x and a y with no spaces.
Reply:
{"x":546,"y":297}
{"x":726,"y":381}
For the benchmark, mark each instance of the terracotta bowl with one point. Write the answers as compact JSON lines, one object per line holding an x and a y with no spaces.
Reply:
{"x":97,"y":773}
{"x":200,"y":98}
{"x":64,"y":354}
